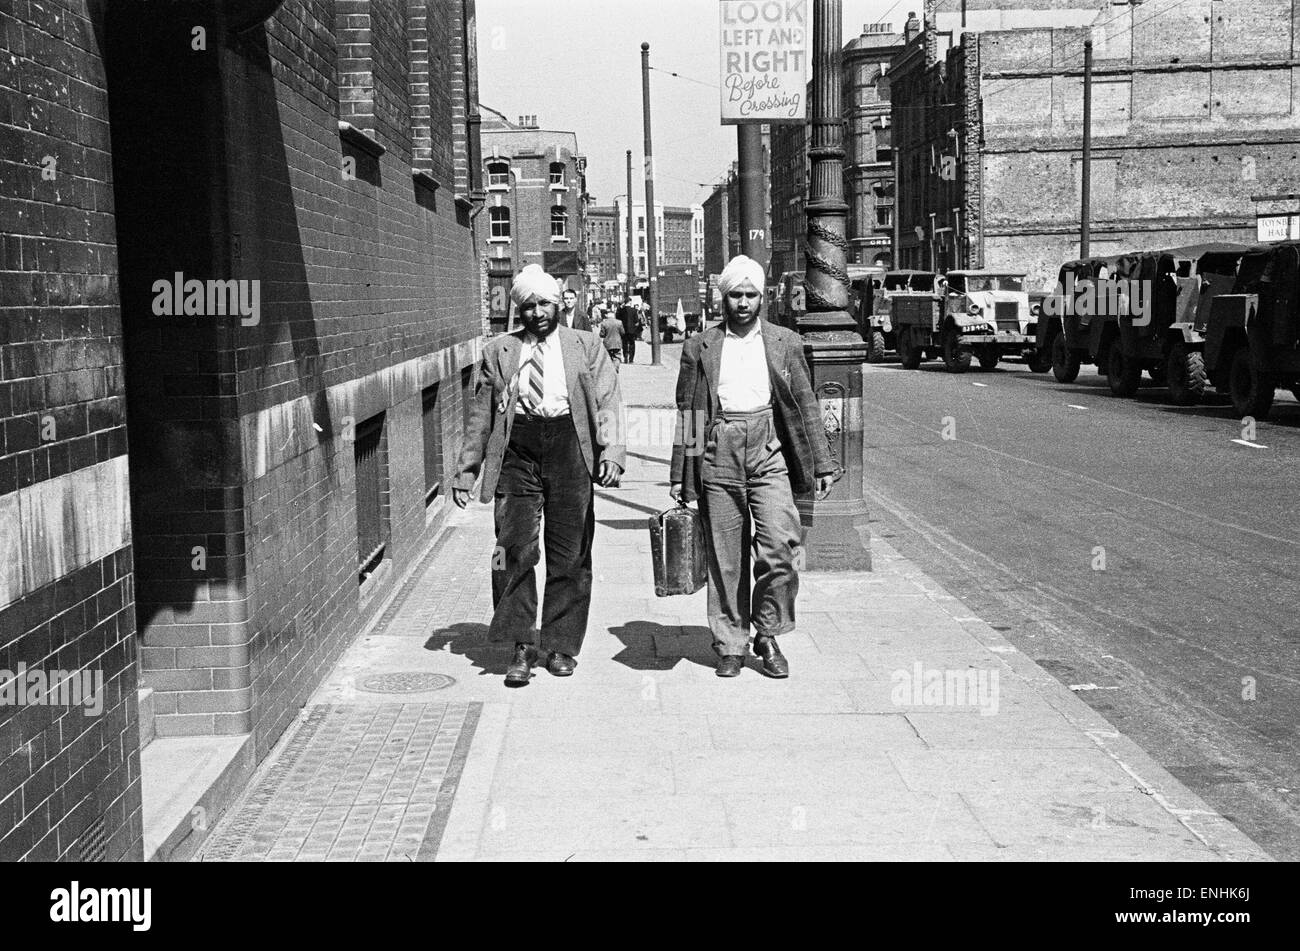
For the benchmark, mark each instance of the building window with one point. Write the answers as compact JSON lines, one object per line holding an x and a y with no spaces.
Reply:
{"x":640,"y":223}
{"x":499,"y":224}
{"x":884,"y":217}
{"x":370,"y":454}
{"x":557,"y":174}
{"x":499,"y":175}
{"x":432,"y":420}
{"x":640,"y":243}
{"x":559,"y":223}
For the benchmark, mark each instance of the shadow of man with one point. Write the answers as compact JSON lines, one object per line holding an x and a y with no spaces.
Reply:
{"x":470,"y":640}
{"x":648,"y":645}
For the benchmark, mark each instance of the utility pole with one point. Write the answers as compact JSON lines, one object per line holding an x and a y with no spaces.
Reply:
{"x":837,"y":536}
{"x":753,"y":208}
{"x":631,"y":269}
{"x":1085,"y":205}
{"x":652,"y":256}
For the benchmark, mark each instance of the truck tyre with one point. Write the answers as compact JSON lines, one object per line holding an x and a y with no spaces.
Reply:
{"x":956,"y":358}
{"x":876,"y":347}
{"x":910,"y":352}
{"x":1065,"y":362}
{"x":1123,"y":375}
{"x":1185,"y":375}
{"x":1040,"y":361}
{"x":1252,"y":394}
{"x":989,"y":357}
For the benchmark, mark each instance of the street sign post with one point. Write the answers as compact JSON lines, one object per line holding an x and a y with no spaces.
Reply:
{"x":764,"y":61}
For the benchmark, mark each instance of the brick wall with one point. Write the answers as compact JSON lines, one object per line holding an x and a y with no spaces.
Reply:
{"x":369,"y":292}
{"x":69,"y":781}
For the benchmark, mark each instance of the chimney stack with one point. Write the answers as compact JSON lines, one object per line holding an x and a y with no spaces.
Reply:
{"x":912,"y":29}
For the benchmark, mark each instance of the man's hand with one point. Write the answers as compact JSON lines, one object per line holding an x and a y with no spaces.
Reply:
{"x":460,"y":497}
{"x":675,"y":491}
{"x":610,"y":474}
{"x":824,"y":484}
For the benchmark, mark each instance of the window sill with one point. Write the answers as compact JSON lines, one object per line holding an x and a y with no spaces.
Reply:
{"x":498,"y":240}
{"x":555,"y":240}
{"x":425,"y":179}
{"x":498,"y":188}
{"x":559,"y":188}
{"x":361,"y":139}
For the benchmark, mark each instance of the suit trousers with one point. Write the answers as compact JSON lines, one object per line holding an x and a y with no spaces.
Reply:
{"x":747,"y":503}
{"x":544,"y":495}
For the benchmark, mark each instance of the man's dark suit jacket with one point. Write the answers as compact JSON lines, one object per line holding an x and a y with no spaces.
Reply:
{"x":580,"y":319}
{"x":794,"y":407}
{"x":595,"y":405}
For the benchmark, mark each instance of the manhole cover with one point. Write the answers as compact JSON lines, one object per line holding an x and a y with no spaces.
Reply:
{"x":406,"y":682}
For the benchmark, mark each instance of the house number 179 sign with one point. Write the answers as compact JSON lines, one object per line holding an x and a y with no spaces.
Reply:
{"x":764,"y":60}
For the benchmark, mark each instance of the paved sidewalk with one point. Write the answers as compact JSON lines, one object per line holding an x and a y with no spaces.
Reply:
{"x":645,"y":754}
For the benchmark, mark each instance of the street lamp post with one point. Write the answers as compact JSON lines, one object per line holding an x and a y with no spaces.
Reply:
{"x":836,"y":536}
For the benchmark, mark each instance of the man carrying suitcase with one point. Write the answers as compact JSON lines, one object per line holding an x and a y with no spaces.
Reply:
{"x":545,"y":422}
{"x":764,"y":440}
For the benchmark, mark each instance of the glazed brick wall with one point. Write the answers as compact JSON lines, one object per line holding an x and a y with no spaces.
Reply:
{"x":61,"y":770}
{"x":61,"y":377}
{"x":361,"y":278}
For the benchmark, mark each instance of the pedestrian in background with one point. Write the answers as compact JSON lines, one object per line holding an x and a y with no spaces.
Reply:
{"x":611,"y":333}
{"x":763,"y":441}
{"x":534,"y":440}
{"x":571,"y":315}
{"x":630,"y":316}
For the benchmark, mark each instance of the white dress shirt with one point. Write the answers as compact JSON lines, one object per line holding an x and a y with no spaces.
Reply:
{"x":743,"y":382}
{"x":555,"y":387}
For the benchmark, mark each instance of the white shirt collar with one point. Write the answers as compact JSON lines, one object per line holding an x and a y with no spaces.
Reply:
{"x":757,"y":331}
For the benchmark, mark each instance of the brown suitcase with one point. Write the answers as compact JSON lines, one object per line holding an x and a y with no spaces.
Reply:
{"x":677,"y":544}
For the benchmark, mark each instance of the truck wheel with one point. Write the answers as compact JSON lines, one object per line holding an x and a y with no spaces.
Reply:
{"x":876,"y":347}
{"x":1065,"y":362}
{"x":1159,"y":374}
{"x":1123,"y":375}
{"x":1252,"y":395}
{"x":1185,"y":375}
{"x":910,"y":353}
{"x":956,"y":358}
{"x":989,"y":357}
{"x":1040,"y":361}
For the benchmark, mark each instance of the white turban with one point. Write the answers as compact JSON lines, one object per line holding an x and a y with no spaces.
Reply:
{"x":532,"y":282}
{"x":741,"y":269}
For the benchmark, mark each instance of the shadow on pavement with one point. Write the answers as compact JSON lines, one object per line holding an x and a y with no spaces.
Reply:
{"x":470,"y":640}
{"x":691,"y":644}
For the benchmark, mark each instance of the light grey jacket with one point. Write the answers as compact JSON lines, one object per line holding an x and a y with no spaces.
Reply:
{"x":595,"y":406}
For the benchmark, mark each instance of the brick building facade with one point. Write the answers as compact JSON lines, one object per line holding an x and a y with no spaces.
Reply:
{"x":536,"y":182}
{"x":1193,"y":114}
{"x":286,"y":446}
{"x":603,"y":243}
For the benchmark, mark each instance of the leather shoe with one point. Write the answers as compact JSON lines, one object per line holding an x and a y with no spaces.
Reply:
{"x":731,"y":665}
{"x":561,"y":665}
{"x":774,"y":662}
{"x":521,"y":666}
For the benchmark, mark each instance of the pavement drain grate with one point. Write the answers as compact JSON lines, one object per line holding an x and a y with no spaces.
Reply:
{"x":406,"y":682}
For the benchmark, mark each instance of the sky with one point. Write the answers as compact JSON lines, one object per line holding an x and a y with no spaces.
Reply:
{"x":576,"y":65}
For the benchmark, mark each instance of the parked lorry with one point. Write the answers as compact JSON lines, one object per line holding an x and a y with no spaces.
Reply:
{"x":1159,"y":294}
{"x":917,"y":288}
{"x":674,"y":284}
{"x":980,"y":314}
{"x":1070,"y":335}
{"x":1252,"y":335}
{"x":876,"y":328}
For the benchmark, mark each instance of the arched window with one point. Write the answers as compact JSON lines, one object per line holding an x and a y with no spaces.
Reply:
{"x":559,"y":221}
{"x":498,"y":174}
{"x":557,"y":174}
{"x":499,"y":223}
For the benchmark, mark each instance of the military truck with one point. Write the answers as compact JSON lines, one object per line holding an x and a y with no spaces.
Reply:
{"x":1065,"y":336}
{"x":980,"y":314}
{"x":677,"y":284}
{"x":1159,"y":293}
{"x":1252,"y":335}
{"x":918,"y":289}
{"x":875,"y":328}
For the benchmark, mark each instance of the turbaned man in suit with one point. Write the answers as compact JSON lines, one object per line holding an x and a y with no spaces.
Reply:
{"x":545,"y":421}
{"x":747,"y":382}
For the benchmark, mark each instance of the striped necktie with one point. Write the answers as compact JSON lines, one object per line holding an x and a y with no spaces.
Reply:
{"x":532,"y":382}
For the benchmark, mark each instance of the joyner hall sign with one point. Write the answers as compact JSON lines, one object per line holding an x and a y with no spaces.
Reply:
{"x":764,"y":60}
